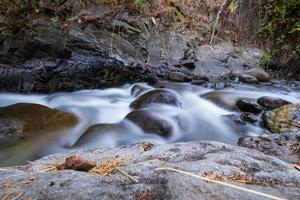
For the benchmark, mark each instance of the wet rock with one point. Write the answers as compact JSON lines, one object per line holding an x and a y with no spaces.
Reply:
{"x":224,"y":99}
{"x":162,"y":96}
{"x":188,"y":64}
{"x":283,"y":119}
{"x":138,"y":88}
{"x":178,"y":77}
{"x":248,"y":117}
{"x":21,"y":120}
{"x":284,"y":146}
{"x":271,"y":103}
{"x":246,"y":78}
{"x":150,"y":122}
{"x":259,"y":74}
{"x":235,"y":118}
{"x":247,"y":106}
{"x":267,"y":174}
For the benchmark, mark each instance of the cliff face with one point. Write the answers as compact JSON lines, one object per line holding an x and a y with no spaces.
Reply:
{"x":158,"y":33}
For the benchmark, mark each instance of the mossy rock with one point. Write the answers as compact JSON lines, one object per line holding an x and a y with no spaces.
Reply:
{"x":25,"y":119}
{"x":283,"y":119}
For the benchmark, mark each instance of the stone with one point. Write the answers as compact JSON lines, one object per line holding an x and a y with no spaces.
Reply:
{"x":259,"y":74}
{"x":248,"y":117}
{"x":283,"y":119}
{"x":246,"y":78}
{"x":178,"y":77}
{"x":264,"y":173}
{"x":247,"y":106}
{"x":25,"y":119}
{"x":188,"y":64}
{"x":235,"y":118}
{"x":161,"y":96}
{"x":284,"y":146}
{"x":271,"y":103}
{"x":151,"y":122}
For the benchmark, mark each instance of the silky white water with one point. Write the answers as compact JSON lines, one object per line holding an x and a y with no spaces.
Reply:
{"x":198,"y":118}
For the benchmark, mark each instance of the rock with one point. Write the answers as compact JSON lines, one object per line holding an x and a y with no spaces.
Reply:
{"x":248,"y":117}
{"x":77,"y":163}
{"x":235,"y":118}
{"x":284,"y":146}
{"x":283,"y":119}
{"x":224,"y":99}
{"x":150,"y":122}
{"x":139,"y":88}
{"x":178,"y":77}
{"x":162,"y":96}
{"x":24,"y":119}
{"x":271,"y":103}
{"x":262,"y":173}
{"x":246,"y":78}
{"x":259,"y":74}
{"x":247,"y":106}
{"x":188,"y":64}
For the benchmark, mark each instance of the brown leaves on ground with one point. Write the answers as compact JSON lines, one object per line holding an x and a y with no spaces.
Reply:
{"x":7,"y":184}
{"x":108,"y":167}
{"x":77,"y":163}
{"x":235,"y":178}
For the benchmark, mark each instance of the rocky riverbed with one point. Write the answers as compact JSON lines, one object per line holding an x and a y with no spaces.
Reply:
{"x":149,"y":97}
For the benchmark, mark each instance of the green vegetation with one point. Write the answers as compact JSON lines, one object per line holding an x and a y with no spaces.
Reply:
{"x":281,"y":29}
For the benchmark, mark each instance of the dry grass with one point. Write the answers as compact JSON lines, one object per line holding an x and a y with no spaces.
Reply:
{"x":108,"y":167}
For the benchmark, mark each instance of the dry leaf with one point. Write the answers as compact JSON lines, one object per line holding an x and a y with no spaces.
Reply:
{"x":7,"y":184}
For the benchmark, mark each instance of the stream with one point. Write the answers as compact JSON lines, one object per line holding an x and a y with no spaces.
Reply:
{"x":201,"y":116}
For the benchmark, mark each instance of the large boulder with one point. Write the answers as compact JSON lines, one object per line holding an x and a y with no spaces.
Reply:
{"x":246,"y":78}
{"x":283,"y":119}
{"x":162,"y":96}
{"x":259,"y":74}
{"x":271,"y":103}
{"x":137,"y":174}
{"x":151,"y":122}
{"x":248,"y":106}
{"x":24,"y":119}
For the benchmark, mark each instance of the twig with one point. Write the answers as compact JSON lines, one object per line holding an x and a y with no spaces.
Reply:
{"x":217,"y":20}
{"x":16,"y":197}
{"x":220,"y":183}
{"x":126,"y":174}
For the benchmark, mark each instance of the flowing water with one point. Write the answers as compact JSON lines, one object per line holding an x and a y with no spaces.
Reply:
{"x":200,"y":117}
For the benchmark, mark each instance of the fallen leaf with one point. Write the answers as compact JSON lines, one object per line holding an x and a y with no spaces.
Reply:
{"x":7,"y":184}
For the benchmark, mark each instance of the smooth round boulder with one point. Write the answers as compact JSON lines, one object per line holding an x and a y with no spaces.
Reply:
{"x":247,"y":106}
{"x":24,"y":119}
{"x":246,"y":78}
{"x":283,"y":119}
{"x":259,"y":74}
{"x":150,"y":122}
{"x":271,"y":103}
{"x":162,"y":96}
{"x":224,"y":99}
